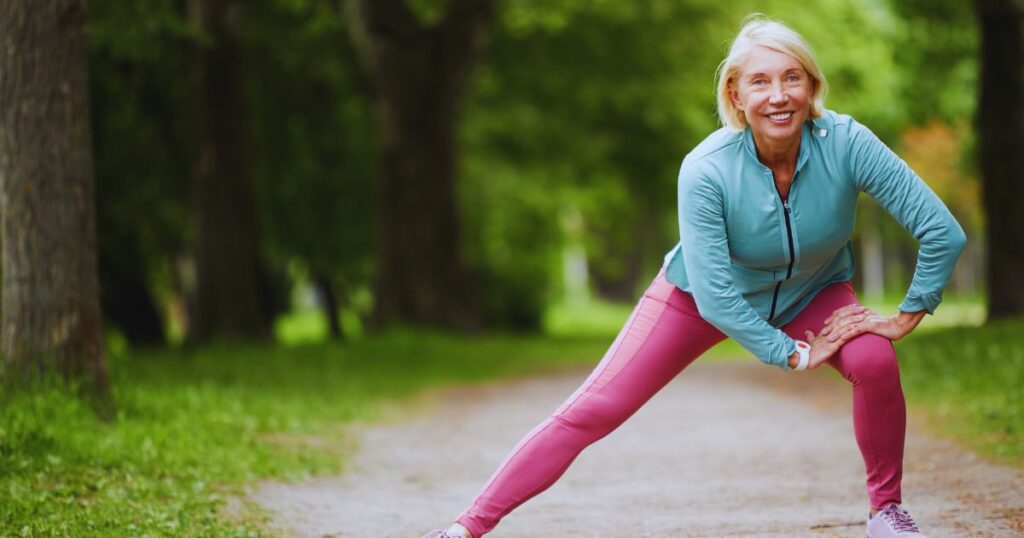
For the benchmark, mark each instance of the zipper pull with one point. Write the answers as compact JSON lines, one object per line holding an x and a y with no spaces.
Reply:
{"x":785,"y":205}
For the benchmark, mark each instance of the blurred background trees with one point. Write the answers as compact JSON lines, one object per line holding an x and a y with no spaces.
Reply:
{"x":1001,"y":128}
{"x":419,"y":62}
{"x":462,"y":164}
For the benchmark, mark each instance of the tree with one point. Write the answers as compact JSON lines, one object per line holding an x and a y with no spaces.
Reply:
{"x":313,"y":149}
{"x":419,"y":70}
{"x":138,"y":97}
{"x":51,"y":316}
{"x":1001,"y":128}
{"x":587,"y":108}
{"x":229,"y":278}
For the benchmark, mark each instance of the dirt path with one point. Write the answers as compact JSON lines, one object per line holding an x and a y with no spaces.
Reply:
{"x":724,"y":450}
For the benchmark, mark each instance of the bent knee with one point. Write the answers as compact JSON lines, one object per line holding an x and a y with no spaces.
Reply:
{"x":870,"y":359}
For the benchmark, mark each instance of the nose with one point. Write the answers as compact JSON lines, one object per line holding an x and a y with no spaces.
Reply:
{"x":778,"y":96}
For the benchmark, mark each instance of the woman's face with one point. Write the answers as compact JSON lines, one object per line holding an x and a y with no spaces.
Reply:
{"x":773,"y":91}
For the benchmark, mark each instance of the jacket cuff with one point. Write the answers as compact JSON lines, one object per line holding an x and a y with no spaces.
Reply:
{"x":925,"y":301}
{"x":786,"y":348}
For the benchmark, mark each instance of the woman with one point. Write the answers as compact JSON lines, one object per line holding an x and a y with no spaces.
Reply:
{"x":766,"y":210}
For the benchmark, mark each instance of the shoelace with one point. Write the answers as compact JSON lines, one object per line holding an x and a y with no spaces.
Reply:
{"x":899,"y":519}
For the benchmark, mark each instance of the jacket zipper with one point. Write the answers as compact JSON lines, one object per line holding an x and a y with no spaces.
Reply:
{"x":792,"y":252}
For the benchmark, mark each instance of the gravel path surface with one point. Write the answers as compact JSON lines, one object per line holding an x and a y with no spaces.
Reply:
{"x":727,"y":449}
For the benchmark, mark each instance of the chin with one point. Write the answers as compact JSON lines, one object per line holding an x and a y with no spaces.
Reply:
{"x":782,"y":131}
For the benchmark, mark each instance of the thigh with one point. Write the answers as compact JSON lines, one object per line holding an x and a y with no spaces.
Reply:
{"x":664,"y":334}
{"x":867,"y":356}
{"x":813,"y":316}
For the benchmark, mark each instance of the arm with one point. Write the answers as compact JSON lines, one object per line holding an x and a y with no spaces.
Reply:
{"x":882,"y":174}
{"x":853,"y":320}
{"x":705,"y":250}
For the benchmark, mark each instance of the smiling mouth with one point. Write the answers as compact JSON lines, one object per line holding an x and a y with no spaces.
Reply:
{"x":781,"y":116}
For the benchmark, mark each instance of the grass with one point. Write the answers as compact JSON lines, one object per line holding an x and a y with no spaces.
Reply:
{"x":194,"y":427}
{"x":969,"y":381}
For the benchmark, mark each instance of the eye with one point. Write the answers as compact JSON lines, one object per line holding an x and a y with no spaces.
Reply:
{"x":794,"y":78}
{"x":758,"y":82}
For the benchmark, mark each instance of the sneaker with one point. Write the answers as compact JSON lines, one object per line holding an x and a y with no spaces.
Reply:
{"x":893,"y":521}
{"x":444,"y":534}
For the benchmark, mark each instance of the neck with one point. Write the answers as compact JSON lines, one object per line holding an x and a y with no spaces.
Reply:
{"x":775,"y":153}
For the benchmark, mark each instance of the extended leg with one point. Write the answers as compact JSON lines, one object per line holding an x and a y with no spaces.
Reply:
{"x":662,"y":336}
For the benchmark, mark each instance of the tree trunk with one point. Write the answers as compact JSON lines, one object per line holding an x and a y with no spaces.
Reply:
{"x":328,"y":300}
{"x":419,"y":73}
{"x":872,"y":260}
{"x":51,"y":313}
{"x":227,"y":302}
{"x":125,"y":298}
{"x":1001,"y":128}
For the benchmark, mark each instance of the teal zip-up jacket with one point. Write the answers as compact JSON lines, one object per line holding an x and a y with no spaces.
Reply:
{"x":752,"y":262}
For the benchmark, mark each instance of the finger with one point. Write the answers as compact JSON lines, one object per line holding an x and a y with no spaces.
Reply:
{"x":840,"y":340}
{"x":845,"y":320}
{"x":843,"y":311}
{"x":834,"y":325}
{"x":808,"y":335}
{"x":854,"y":331}
{"x":837,"y":324}
{"x":833,"y":347}
{"x":837,"y":329}
{"x":821,"y":358}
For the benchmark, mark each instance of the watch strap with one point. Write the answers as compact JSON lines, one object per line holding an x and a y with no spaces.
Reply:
{"x":803,"y":349}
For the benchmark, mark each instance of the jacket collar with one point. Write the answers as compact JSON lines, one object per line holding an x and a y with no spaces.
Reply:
{"x":802,"y":154}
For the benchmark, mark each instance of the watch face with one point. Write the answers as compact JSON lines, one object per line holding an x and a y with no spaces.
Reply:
{"x":803,"y":345}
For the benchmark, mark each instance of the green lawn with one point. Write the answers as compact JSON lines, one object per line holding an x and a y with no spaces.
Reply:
{"x":969,"y":381}
{"x":194,"y":427}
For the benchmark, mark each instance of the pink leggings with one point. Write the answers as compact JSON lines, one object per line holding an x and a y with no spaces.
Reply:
{"x":665,"y":334}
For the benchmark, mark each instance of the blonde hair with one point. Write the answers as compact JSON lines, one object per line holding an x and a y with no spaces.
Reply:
{"x":759,"y":30}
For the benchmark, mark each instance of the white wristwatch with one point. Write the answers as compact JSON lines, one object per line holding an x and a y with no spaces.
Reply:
{"x":804,"y":350}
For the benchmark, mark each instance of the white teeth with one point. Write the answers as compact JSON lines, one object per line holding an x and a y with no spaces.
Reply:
{"x":780,"y":116}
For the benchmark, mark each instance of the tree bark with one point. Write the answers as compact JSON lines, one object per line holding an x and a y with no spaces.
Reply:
{"x":419,"y":73}
{"x":1001,"y":141}
{"x":227,"y":302}
{"x":51,"y":314}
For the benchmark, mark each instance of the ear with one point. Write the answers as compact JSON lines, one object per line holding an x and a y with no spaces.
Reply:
{"x":734,"y":95}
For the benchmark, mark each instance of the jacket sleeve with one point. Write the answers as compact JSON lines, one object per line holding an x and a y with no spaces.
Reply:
{"x":882,"y":174}
{"x":705,"y":250}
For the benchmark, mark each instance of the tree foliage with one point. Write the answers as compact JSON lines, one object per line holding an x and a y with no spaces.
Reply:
{"x":571,"y":133}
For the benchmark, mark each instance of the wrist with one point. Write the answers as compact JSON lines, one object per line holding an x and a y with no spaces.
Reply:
{"x":907,"y":321}
{"x":801,"y":356}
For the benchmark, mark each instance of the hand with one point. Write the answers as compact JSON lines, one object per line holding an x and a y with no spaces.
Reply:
{"x":821,"y":350}
{"x":854,"y":320}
